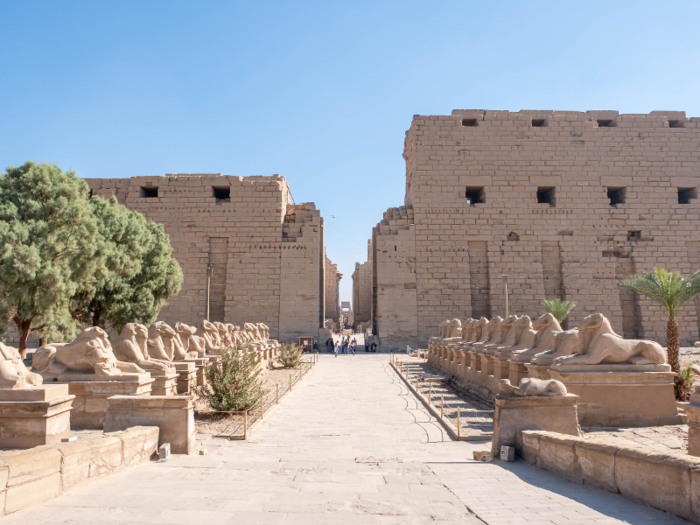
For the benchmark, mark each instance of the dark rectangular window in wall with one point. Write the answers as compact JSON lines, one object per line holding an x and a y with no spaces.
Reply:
{"x":218,"y":262}
{"x":547,"y":195}
{"x":222,"y":194}
{"x":687,"y":195}
{"x":475,"y":194}
{"x":147,"y":192}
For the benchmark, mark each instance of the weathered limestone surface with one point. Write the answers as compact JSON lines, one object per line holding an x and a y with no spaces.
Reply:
{"x":267,"y":255}
{"x":692,"y":410}
{"x":174,"y":416}
{"x":332,"y":296}
{"x":565,"y":203}
{"x":33,"y":476}
{"x":30,"y":417}
{"x":664,"y":481}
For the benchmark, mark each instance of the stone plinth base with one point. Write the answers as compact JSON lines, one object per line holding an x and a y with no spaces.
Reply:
{"x":538,"y":371}
{"x":516,"y":413}
{"x":35,"y":416}
{"x":621,"y":395}
{"x":692,"y":410}
{"x":516,"y":372}
{"x":164,"y":383}
{"x":91,"y":393}
{"x":186,"y":376}
{"x":174,"y":416}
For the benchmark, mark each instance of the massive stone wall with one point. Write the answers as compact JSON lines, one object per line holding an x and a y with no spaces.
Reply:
{"x":565,"y":203}
{"x":362,"y":293}
{"x":332,"y":279}
{"x":267,"y":255}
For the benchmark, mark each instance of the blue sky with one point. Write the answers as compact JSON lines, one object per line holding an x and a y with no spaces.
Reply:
{"x":319,"y":92}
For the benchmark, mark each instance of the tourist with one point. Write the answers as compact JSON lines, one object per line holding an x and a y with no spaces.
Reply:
{"x":336,"y":348}
{"x":352,"y":346}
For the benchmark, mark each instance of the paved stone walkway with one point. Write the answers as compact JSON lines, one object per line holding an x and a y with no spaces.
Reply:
{"x":350,"y":445}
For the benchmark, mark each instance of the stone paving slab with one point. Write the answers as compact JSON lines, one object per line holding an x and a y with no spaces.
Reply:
{"x":350,"y":446}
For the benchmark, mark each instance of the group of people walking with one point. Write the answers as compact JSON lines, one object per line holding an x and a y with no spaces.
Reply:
{"x":345,"y":346}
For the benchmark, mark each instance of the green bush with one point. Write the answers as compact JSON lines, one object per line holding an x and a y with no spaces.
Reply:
{"x":233,"y":382}
{"x":290,"y":355}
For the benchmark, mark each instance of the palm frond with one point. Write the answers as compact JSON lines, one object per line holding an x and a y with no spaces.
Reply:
{"x":666,"y":288}
{"x":558,"y":308}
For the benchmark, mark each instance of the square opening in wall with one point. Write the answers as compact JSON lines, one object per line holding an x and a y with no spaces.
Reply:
{"x":475,"y":194}
{"x":539,"y":123}
{"x":222,"y":194}
{"x":147,"y":192}
{"x":675,"y":123}
{"x":605,"y":123}
{"x":616,"y":196}
{"x":469,"y":122}
{"x":546,"y":195}
{"x":634,"y":235}
{"x":687,"y":195}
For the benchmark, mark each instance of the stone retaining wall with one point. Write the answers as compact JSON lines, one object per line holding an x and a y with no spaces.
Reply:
{"x":669,"y":482}
{"x":32,"y":476}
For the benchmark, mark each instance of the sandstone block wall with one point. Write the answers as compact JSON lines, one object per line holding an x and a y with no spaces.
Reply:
{"x":362,"y":293}
{"x":332,"y":296}
{"x":565,"y":203}
{"x":266,"y":253}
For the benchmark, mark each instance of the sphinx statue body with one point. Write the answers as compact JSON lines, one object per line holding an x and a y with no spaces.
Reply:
{"x":193,"y":345}
{"x":211,"y":336}
{"x":90,"y":354}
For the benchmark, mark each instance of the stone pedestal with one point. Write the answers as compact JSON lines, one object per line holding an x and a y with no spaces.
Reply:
{"x":538,"y":371}
{"x":515,"y":413}
{"x":186,"y":376}
{"x":692,"y":410}
{"x":621,"y":395}
{"x":199,"y":363}
{"x":34,"y":416}
{"x":500,"y":369}
{"x":91,"y":394}
{"x":164,"y":382}
{"x":174,"y":416}
{"x":516,"y":372}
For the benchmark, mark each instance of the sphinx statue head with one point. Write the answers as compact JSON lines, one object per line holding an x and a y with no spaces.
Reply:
{"x":13,"y":373}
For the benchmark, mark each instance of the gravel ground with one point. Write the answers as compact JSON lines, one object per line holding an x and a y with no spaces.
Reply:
{"x":209,"y":422}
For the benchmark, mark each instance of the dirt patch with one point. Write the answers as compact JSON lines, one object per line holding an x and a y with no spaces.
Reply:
{"x":278,"y":379}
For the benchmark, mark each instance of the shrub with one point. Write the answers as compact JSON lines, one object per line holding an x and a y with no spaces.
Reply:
{"x":233,"y":382}
{"x":686,"y":381}
{"x":290,"y":355}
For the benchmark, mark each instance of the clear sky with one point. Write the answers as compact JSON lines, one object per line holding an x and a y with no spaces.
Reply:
{"x":318,"y":92}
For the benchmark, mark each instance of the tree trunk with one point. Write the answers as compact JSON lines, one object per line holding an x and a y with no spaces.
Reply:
{"x":24,"y":327}
{"x":673,"y":346}
{"x":96,"y":314}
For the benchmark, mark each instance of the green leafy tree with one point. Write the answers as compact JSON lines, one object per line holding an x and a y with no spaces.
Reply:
{"x":670,"y":291}
{"x":49,"y":244}
{"x":558,"y":308}
{"x":233,"y":382}
{"x":139,"y":271}
{"x":290,"y":355}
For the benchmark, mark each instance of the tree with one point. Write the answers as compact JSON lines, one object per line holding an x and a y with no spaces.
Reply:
{"x":233,"y":382}
{"x":138,"y":275}
{"x":558,"y":308}
{"x":290,"y":355}
{"x":49,"y":244}
{"x":671,"y":291}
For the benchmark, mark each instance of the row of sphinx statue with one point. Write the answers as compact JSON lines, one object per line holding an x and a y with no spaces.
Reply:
{"x":543,"y":341}
{"x":136,"y":350}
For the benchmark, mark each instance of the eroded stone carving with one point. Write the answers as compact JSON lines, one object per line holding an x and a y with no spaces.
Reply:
{"x":155,"y":344}
{"x":90,"y":353}
{"x":506,"y":328}
{"x":212,"y":339}
{"x":568,"y":343}
{"x":524,"y":336}
{"x":534,"y":387}
{"x":547,"y":328}
{"x":131,"y":345}
{"x":468,"y":327}
{"x":193,"y":345}
{"x":492,"y":333}
{"x":600,"y":344}
{"x":13,"y":373}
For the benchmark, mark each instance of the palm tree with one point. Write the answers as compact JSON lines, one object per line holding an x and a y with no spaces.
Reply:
{"x":671,"y":291}
{"x":558,"y":308}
